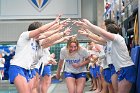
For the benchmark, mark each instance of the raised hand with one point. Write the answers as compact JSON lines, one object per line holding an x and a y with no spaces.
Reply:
{"x":68,"y":37}
{"x":57,"y":19}
{"x":80,"y":23}
{"x":82,"y":32}
{"x":67,"y":31}
{"x":65,"y":22}
{"x":86,"y":21}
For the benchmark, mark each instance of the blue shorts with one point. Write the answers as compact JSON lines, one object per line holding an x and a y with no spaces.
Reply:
{"x":91,"y":71}
{"x":76,"y":76}
{"x":47,"y":70}
{"x":37,"y":70}
{"x":1,"y":68}
{"x":128,"y":73}
{"x":112,"y":68}
{"x":15,"y":70}
{"x":33,"y":73}
{"x":96,"y":71}
{"x":107,"y":75}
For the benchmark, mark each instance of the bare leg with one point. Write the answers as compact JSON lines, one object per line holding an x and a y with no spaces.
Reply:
{"x":114,"y":79}
{"x":45,"y":83}
{"x":80,"y":84}
{"x":70,"y":84}
{"x":36,"y":84}
{"x":124,"y":86}
{"x":21,"y":84}
{"x":104,"y":85}
{"x":31,"y":84}
{"x":110,"y":88}
{"x":99,"y":87}
{"x":94,"y":83}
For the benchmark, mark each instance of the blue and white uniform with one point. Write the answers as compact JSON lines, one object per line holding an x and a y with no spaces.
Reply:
{"x":24,"y":57}
{"x":46,"y":68}
{"x":105,"y":64}
{"x":121,"y":60}
{"x":2,"y":61}
{"x":77,"y":57}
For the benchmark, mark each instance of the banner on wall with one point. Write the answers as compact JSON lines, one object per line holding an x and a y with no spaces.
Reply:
{"x":39,"y":5}
{"x":39,"y":9}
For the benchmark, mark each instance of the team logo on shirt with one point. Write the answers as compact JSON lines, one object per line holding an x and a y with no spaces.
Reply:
{"x":71,"y":61}
{"x":39,"y":4}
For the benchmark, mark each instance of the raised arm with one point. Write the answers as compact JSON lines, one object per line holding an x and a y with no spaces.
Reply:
{"x":92,"y":36}
{"x":49,"y":33}
{"x":64,"y":23}
{"x":95,"y":29}
{"x":55,"y":37}
{"x":43,"y":28}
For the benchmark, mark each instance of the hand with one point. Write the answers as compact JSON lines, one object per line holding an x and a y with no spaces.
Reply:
{"x":75,"y":35}
{"x":78,"y":23}
{"x":52,"y":61}
{"x":57,"y":19}
{"x":67,"y":31}
{"x":52,"y":55}
{"x":68,"y":37}
{"x":65,"y":22}
{"x":86,"y":21}
{"x":82,"y":32}
{"x":81,"y":24}
{"x":75,"y":65}
{"x":56,"y":76}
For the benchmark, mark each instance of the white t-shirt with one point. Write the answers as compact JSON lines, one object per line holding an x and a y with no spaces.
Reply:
{"x":25,"y":51}
{"x":102,"y":58}
{"x":108,"y":52}
{"x":119,"y":54}
{"x":2,"y":60}
{"x":93,"y":52}
{"x":37,"y":63}
{"x":77,"y":57}
{"x":45,"y":56}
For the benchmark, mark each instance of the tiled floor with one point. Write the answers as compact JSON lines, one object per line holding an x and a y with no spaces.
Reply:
{"x":5,"y":87}
{"x":61,"y":88}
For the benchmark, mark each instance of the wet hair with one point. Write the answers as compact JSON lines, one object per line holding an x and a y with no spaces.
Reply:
{"x":109,"y":21}
{"x":34,"y":26}
{"x":113,"y":28}
{"x":73,"y":40}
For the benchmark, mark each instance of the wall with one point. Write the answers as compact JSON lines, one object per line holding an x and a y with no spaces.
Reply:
{"x":100,"y":12}
{"x":10,"y":30}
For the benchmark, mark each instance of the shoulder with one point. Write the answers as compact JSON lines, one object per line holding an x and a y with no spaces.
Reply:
{"x":118,"y":38}
{"x":46,"y":51}
{"x":25,"y":34}
{"x":63,"y":50}
{"x":83,"y":49}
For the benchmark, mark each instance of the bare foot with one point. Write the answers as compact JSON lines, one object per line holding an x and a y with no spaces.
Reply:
{"x":97,"y":91}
